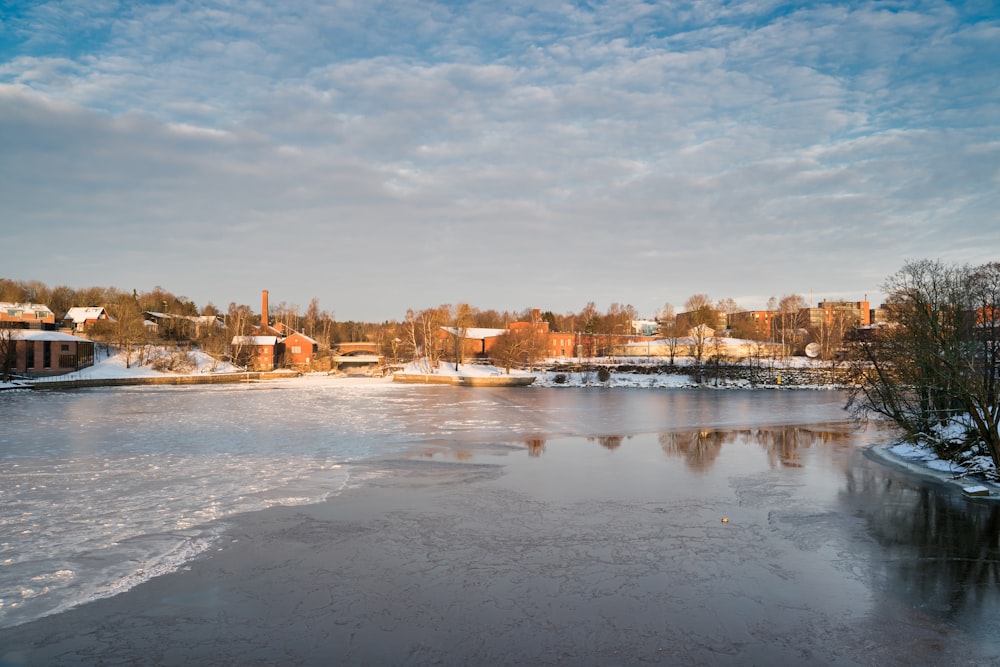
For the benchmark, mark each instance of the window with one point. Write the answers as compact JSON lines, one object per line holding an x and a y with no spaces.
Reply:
{"x":296,"y":349}
{"x":64,"y":347}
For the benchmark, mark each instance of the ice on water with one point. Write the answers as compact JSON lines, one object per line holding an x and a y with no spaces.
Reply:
{"x":103,"y":489}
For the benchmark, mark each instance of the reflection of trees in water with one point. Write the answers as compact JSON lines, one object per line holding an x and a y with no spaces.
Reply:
{"x":701,"y":448}
{"x":536,"y":446}
{"x":610,"y":442}
{"x":941,"y":550}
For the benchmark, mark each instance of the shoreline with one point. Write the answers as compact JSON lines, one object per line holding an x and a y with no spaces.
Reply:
{"x":882,"y":452}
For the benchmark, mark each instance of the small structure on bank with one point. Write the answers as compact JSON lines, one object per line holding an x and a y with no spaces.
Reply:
{"x":466,"y":375}
{"x":42,"y":353}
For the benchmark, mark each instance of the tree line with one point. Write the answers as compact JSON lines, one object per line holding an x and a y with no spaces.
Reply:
{"x":413,"y":335}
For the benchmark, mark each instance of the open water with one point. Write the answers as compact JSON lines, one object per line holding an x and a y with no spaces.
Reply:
{"x":101,"y":489}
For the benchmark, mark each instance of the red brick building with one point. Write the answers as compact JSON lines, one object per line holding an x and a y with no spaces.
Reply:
{"x":44,"y":353}
{"x":258,"y":353}
{"x":297,"y":349}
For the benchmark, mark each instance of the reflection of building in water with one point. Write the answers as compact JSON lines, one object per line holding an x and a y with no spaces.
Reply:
{"x":536,"y":446}
{"x":781,"y":444}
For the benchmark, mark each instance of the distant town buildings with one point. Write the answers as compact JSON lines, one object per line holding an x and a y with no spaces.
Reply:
{"x":268,"y":346}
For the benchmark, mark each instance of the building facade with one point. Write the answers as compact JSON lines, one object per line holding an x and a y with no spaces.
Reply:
{"x":44,"y":353}
{"x":26,"y":316}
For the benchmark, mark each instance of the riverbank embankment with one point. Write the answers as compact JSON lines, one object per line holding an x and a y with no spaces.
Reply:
{"x":731,"y":374}
{"x":214,"y":378}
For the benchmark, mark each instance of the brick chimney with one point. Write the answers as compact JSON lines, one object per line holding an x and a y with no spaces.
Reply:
{"x":263,"y":309}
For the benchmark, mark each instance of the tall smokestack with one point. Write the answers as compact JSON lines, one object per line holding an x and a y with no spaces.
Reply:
{"x":263,"y":309}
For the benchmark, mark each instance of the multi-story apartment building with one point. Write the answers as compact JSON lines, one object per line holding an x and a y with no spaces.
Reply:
{"x":26,"y":316}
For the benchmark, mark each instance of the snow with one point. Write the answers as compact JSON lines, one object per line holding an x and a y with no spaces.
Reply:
{"x":556,"y":378}
{"x":922,"y":457}
{"x":53,"y":336}
{"x":448,"y":369}
{"x":113,"y":367}
{"x":476,"y":333}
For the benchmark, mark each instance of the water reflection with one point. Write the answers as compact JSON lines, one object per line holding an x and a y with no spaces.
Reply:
{"x":536,"y":446}
{"x":937,"y":550}
{"x":699,"y":449}
{"x":609,"y":442}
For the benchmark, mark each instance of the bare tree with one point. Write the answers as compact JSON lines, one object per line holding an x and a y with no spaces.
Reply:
{"x":702,"y":319}
{"x":729,"y":307}
{"x":697,"y":302}
{"x":424,"y":331}
{"x":239,"y":326}
{"x":666,"y":313}
{"x":829,"y":333}
{"x":311,"y":320}
{"x":673,"y":337}
{"x":286,"y":314}
{"x":126,"y":328}
{"x":667,"y":320}
{"x":789,"y":321}
{"x":516,"y":346}
{"x":463,"y":320}
{"x":588,"y":319}
{"x":939,"y":358}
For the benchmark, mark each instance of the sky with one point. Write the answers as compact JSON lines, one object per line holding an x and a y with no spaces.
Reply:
{"x":380,"y":156}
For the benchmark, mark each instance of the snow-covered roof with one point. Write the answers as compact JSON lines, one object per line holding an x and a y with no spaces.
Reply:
{"x":80,"y":314}
{"x":728,"y":342}
{"x":53,"y":336}
{"x":255,"y":340}
{"x":302,"y":336}
{"x":477,"y":333}
{"x":15,"y":309}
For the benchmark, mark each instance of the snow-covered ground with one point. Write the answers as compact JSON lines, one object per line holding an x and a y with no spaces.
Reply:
{"x":113,"y":366}
{"x":449,"y":369}
{"x":971,"y":470}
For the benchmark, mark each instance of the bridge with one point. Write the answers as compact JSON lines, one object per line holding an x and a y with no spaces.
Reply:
{"x":348,"y":348}
{"x":357,"y":354}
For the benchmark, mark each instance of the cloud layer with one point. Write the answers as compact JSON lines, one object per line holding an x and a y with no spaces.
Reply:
{"x":381,"y":156}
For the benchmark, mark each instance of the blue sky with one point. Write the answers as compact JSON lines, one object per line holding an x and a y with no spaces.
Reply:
{"x":381,"y":156}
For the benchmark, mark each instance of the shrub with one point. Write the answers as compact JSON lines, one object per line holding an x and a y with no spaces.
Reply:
{"x":174,"y":361}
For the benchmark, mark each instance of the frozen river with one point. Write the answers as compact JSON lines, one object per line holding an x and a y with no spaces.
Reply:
{"x":102,"y":489}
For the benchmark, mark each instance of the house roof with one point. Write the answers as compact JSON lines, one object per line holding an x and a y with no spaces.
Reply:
{"x":39,"y":310}
{"x":297,"y":334}
{"x":477,"y":333}
{"x":255,"y":340}
{"x":53,"y":336}
{"x":80,"y":314}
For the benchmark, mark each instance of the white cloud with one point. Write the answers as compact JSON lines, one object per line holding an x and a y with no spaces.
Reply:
{"x":621,"y":152}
